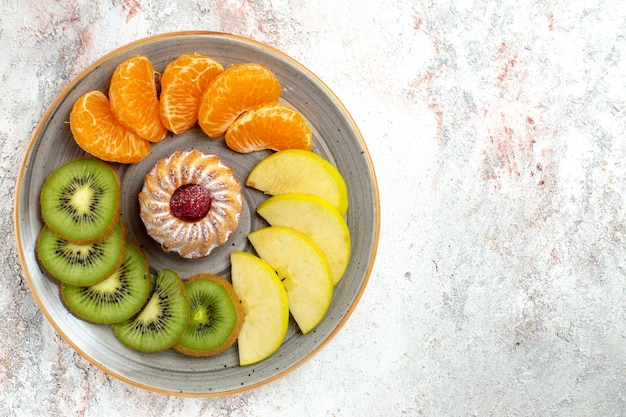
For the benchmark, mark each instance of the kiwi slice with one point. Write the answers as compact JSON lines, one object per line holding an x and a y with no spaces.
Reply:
{"x":216,"y":316}
{"x":81,"y":265}
{"x":80,"y":200}
{"x":117,"y":297}
{"x":162,"y":320}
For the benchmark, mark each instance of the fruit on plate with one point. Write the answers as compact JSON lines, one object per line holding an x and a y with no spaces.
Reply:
{"x":162,"y":320}
{"x":317,"y":219}
{"x":84,"y":264}
{"x":134,"y":100}
{"x":117,"y":297}
{"x":266,"y":310}
{"x":80,"y":200}
{"x":182,"y":83}
{"x":216,"y":316}
{"x":303,"y":269}
{"x":298,"y":171}
{"x":238,"y":89}
{"x":99,"y":133}
{"x":272,"y":125}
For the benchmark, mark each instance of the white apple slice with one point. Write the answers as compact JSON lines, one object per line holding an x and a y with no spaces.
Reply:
{"x":264,"y":302}
{"x":299,"y":171}
{"x":302,"y":267}
{"x":315,"y":218}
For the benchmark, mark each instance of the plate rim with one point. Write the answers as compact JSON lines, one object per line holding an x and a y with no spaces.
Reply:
{"x":54,"y":104}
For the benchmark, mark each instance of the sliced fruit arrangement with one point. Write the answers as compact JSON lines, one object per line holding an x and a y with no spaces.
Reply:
{"x":83,"y":239}
{"x":307,"y":246}
{"x":239,"y":102}
{"x":105,"y":278}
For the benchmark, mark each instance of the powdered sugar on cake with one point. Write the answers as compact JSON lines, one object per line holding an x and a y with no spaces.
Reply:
{"x":197,"y":238}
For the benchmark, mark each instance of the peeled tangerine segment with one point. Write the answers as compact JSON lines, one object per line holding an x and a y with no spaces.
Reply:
{"x":134,"y":100}
{"x":266,"y":310}
{"x":271,"y":125}
{"x":182,"y":83}
{"x":302,"y":267}
{"x":299,"y":171}
{"x":315,"y":218}
{"x":97,"y":131}
{"x":239,"y":88}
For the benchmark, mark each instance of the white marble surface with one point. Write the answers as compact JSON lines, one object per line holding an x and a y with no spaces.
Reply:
{"x":497,"y":129}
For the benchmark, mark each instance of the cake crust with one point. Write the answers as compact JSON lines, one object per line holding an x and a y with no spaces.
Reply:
{"x":190,"y":239}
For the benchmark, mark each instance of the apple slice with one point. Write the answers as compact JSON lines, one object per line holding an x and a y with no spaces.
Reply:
{"x":302,"y":267}
{"x":264,"y":302}
{"x":315,"y":218}
{"x":299,"y":171}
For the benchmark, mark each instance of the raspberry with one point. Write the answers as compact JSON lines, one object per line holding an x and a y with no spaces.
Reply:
{"x":190,"y":202}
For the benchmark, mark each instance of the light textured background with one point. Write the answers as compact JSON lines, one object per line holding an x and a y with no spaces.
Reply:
{"x":497,"y":132}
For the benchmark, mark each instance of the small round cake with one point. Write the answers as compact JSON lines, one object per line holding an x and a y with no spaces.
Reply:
{"x":190,"y":203}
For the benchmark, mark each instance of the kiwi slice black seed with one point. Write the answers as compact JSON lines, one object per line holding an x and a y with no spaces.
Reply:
{"x":216,"y":316}
{"x":80,"y":200}
{"x":162,"y":320}
{"x":117,"y":297}
{"x":81,"y":265}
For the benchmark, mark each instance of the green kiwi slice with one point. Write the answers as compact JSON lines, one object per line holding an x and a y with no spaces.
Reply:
{"x":80,"y":200}
{"x":216,"y":316}
{"x":81,"y":265}
{"x":117,"y":297}
{"x":162,"y":320}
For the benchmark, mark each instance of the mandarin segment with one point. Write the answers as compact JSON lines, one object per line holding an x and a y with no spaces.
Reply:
{"x":238,"y":89}
{"x":273,"y":125}
{"x":134,"y":100}
{"x":182,"y":83}
{"x":97,"y":131}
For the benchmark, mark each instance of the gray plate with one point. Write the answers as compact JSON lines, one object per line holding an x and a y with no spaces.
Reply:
{"x":336,"y":137}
